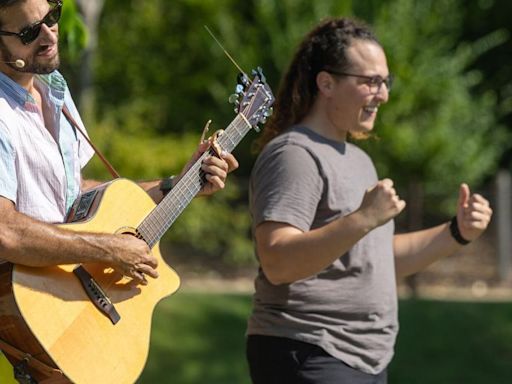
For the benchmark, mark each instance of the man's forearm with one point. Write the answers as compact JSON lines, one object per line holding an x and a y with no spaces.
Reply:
{"x":33,"y":243}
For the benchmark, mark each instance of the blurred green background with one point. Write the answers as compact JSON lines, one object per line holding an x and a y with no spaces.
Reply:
{"x":150,"y":76}
{"x":147,"y":76}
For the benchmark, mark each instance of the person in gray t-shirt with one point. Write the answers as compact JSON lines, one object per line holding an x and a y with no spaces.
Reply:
{"x":325,"y":306}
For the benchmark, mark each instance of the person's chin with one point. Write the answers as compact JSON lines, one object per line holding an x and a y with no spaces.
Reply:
{"x":364,"y":128}
{"x":361,"y":132}
{"x":43,"y":67}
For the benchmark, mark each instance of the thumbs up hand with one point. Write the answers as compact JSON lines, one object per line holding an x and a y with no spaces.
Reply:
{"x":473,"y":213}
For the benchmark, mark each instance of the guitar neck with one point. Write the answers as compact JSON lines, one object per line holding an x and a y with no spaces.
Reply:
{"x":156,"y":224}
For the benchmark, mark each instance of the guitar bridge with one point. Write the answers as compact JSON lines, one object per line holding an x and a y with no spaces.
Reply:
{"x":96,"y":294}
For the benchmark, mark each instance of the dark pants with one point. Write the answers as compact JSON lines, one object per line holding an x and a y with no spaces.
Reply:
{"x":278,"y":360}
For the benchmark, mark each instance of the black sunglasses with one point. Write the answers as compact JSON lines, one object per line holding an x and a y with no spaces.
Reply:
{"x":28,"y":34}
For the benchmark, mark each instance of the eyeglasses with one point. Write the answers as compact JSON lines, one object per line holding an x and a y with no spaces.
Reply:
{"x":373,"y":82}
{"x":28,"y":34}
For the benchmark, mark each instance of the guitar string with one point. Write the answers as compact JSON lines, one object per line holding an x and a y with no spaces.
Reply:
{"x":189,"y":187}
{"x":155,"y":220}
{"x":226,"y":137}
{"x":159,"y":221}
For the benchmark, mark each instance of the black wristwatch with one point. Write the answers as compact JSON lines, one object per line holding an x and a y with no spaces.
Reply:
{"x":455,"y":232}
{"x":166,"y":185}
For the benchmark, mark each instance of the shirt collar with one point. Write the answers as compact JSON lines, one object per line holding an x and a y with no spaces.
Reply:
{"x":54,"y":83}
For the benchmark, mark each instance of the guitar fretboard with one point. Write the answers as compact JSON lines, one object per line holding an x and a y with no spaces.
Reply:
{"x":167,"y":211}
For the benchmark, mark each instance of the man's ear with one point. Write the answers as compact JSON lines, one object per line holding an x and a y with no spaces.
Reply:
{"x":324,"y":82}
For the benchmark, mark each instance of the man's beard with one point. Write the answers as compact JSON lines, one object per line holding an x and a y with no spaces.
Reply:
{"x":31,"y":65}
{"x":43,"y":69}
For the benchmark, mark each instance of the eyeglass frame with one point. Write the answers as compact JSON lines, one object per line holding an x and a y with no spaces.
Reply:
{"x":38,"y":24}
{"x":376,"y":80}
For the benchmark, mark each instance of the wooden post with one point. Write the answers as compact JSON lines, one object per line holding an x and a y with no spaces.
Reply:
{"x":91,"y":12}
{"x":503,"y":214}
{"x":415,"y":206}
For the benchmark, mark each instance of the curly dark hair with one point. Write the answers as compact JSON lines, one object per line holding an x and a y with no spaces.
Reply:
{"x":7,"y":3}
{"x":324,"y":47}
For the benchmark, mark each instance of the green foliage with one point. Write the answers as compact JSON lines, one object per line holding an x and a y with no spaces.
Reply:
{"x":210,"y":224}
{"x":168,"y":74}
{"x":482,"y":17}
{"x":160,"y":77}
{"x":216,"y":224}
{"x":138,"y":155}
{"x":173,"y":79}
{"x":73,"y":34}
{"x":435,"y":130}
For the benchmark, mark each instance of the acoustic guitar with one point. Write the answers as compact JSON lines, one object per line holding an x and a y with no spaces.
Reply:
{"x":87,"y":324}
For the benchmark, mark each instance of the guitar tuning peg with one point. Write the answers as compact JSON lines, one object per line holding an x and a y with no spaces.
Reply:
{"x":234,"y":99}
{"x":259,"y":72}
{"x":243,"y":80}
{"x":269,"y":112}
{"x":239,"y":89}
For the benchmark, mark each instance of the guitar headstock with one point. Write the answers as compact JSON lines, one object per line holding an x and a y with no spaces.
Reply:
{"x":253,"y":98}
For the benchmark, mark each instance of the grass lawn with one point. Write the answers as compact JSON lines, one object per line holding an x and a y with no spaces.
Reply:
{"x":199,"y":338}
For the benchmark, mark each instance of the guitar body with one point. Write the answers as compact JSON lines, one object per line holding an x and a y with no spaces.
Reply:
{"x":46,"y":312}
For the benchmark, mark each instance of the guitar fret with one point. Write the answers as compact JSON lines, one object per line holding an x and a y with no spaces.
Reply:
{"x":165,"y":214}
{"x":187,"y":188}
{"x":232,"y":142}
{"x":228,"y":143}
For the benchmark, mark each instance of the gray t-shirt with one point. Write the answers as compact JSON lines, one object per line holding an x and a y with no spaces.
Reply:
{"x":350,"y":308}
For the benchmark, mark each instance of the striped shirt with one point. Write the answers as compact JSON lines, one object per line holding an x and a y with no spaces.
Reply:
{"x":41,"y":154}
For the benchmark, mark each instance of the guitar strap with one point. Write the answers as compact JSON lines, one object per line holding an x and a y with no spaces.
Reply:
{"x":73,"y":122}
{"x":51,"y":373}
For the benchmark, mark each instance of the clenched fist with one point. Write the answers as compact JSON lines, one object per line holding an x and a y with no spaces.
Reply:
{"x":381,"y":203}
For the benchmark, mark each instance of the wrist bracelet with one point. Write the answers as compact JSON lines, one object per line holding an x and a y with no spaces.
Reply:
{"x":166,"y":185}
{"x":455,"y":232}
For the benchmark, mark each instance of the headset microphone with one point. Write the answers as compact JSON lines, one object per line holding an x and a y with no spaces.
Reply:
{"x":18,"y":63}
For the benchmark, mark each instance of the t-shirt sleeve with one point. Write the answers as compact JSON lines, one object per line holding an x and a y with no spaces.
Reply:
{"x":8,"y":180}
{"x":286,"y":187}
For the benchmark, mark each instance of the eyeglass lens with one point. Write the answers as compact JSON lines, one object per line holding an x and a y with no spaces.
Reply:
{"x":377,"y":82}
